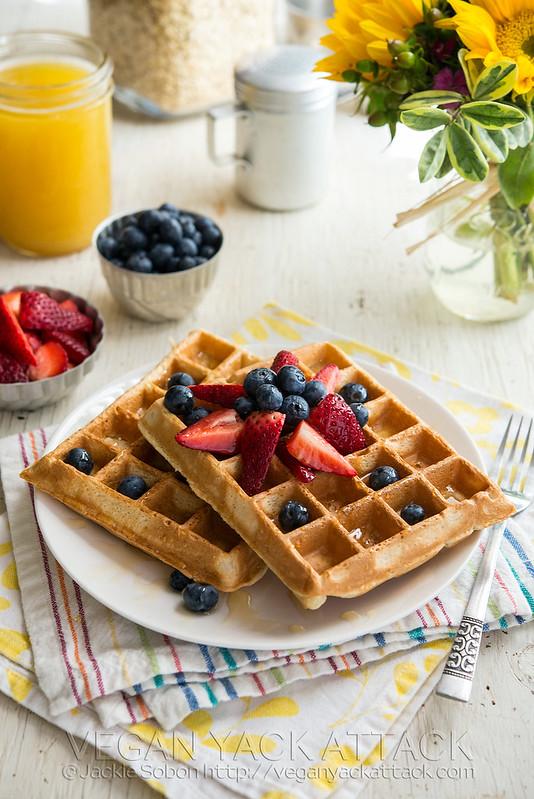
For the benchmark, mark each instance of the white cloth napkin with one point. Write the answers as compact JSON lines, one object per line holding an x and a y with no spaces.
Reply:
{"x":81,"y":658}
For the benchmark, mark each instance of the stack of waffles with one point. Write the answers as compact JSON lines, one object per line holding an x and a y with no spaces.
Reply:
{"x":197,"y":518}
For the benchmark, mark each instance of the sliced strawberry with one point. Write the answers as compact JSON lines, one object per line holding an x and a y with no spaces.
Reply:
{"x":34,"y":341}
{"x":309,"y":447}
{"x":11,"y":371}
{"x":12,"y":336}
{"x":303,"y":473}
{"x":13,"y":300}
{"x":258,"y":444}
{"x":284,"y":358}
{"x":51,"y":360}
{"x":75,"y":347}
{"x":218,"y":432}
{"x":329,"y":375}
{"x":219,"y":393}
{"x":337,"y":423}
{"x":38,"y":311}
{"x":69,"y":305}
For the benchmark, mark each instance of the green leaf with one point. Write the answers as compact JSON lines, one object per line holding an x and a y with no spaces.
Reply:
{"x":496,"y":81}
{"x":425,"y":118}
{"x":465,"y":154}
{"x":516,"y":176}
{"x":520,"y":135}
{"x":493,"y":143}
{"x":432,"y":156}
{"x":493,"y":116}
{"x":470,"y":70}
{"x":429,"y":98}
{"x":445,"y":168}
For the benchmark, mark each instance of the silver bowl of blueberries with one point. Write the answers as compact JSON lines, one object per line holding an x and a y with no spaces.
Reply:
{"x":158,"y":262}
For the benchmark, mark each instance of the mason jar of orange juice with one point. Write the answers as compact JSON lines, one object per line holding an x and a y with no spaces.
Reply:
{"x":55,"y":137}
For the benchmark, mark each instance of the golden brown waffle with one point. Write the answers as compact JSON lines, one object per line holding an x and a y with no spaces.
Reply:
{"x":355,"y":539}
{"x":168,"y":521}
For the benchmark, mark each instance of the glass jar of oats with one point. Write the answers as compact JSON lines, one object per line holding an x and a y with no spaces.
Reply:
{"x":176,"y":57}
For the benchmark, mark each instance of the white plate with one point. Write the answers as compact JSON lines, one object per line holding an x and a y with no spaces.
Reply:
{"x":263,"y":616}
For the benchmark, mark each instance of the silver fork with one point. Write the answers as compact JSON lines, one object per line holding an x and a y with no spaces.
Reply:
{"x":511,"y":471}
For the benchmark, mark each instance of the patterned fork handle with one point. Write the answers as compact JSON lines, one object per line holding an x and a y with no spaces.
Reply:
{"x":457,"y":678}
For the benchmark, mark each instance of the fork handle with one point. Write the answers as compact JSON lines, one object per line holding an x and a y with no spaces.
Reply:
{"x":457,"y":678}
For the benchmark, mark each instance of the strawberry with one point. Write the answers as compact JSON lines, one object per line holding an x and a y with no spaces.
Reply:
{"x":303,"y":473}
{"x":218,"y":432}
{"x":75,"y":347}
{"x":69,"y":305}
{"x":284,"y":358}
{"x":51,"y":361}
{"x":11,"y":371}
{"x":258,"y":444}
{"x":34,"y":341}
{"x":219,"y":393}
{"x":13,"y":300}
{"x":309,"y":447}
{"x":337,"y":423}
{"x":38,"y":311}
{"x":329,"y":375}
{"x":13,"y":337}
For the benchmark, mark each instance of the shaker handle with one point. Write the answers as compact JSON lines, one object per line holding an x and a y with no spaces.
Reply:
{"x":216,"y":115}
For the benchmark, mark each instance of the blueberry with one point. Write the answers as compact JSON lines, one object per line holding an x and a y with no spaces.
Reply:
{"x":196,"y":415}
{"x":172,"y":265}
{"x":382,"y":476}
{"x":290,"y":380}
{"x":197,"y":238}
{"x":268,"y":397}
{"x":295,"y":408}
{"x":207,"y":252}
{"x":179,"y":400}
{"x":211,"y":235}
{"x":132,"y":486}
{"x":199,"y":260}
{"x":200,"y":597}
{"x":160,"y":255}
{"x":180,"y":379}
{"x":139,"y":262}
{"x":170,"y":209}
{"x":178,"y":581}
{"x":245,"y":406}
{"x":354,"y":392}
{"x":150,"y":220}
{"x":189,"y":229}
{"x":132,"y":238}
{"x":360,"y":412}
{"x":413,"y":513}
{"x":170,"y":231}
{"x":80,"y":459}
{"x":293,"y":515}
{"x":186,"y":219}
{"x":202,"y":222}
{"x":107,"y":246}
{"x":257,"y":378}
{"x":314,"y":392}
{"x":187,"y":262}
{"x":188,"y":247}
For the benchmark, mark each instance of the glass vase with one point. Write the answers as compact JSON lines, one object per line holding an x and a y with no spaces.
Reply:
{"x":481,"y":262}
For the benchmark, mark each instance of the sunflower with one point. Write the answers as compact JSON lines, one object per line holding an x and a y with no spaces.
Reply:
{"x":361,"y":30}
{"x":497,"y":30}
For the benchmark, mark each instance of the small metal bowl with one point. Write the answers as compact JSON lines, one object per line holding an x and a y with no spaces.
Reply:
{"x":157,"y":297}
{"x":38,"y":393}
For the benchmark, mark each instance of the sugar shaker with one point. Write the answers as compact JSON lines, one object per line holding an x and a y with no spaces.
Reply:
{"x":284,"y":120}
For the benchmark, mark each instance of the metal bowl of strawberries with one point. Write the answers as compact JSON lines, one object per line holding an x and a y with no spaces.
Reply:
{"x":49,"y":340}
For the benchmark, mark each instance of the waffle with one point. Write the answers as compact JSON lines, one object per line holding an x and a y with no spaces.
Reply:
{"x":355,"y":538}
{"x":168,"y":522}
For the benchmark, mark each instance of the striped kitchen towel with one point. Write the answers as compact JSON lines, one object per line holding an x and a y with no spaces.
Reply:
{"x":64,"y":655}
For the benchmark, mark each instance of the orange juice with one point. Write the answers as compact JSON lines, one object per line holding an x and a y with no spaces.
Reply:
{"x":55,"y":125}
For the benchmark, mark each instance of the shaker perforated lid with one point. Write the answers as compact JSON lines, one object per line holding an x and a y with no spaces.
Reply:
{"x":281,"y":79}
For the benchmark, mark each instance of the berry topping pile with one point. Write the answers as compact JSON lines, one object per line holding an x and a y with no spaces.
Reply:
{"x":198,"y":597}
{"x":159,"y":241}
{"x":276,"y":410}
{"x":40,"y":337}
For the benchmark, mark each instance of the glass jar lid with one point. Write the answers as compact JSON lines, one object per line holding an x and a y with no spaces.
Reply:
{"x":281,"y":79}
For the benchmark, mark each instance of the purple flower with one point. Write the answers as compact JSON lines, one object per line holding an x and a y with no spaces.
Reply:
{"x":444,"y":49}
{"x":447,"y":80}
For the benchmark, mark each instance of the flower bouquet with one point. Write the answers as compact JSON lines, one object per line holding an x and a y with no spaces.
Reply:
{"x":465,"y":70}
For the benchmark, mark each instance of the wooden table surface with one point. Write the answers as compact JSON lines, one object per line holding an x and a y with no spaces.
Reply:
{"x":339,"y":263}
